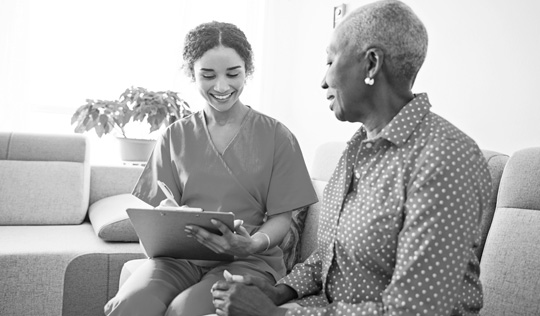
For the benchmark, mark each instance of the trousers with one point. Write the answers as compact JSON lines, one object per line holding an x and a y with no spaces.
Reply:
{"x":173,"y":287}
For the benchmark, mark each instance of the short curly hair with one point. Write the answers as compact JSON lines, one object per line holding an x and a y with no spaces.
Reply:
{"x":210,"y":35}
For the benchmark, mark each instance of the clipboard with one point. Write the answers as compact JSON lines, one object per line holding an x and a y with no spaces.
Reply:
{"x":162,"y":233}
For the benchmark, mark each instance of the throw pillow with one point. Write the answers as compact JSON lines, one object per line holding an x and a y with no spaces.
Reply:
{"x":110,"y":220}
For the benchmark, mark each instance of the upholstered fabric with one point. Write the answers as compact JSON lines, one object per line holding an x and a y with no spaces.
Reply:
{"x":42,"y":192}
{"x":308,"y":239}
{"x":34,"y":260}
{"x":521,"y":185}
{"x":112,"y":180}
{"x":510,"y":263}
{"x":496,"y":162}
{"x":509,"y":266}
{"x":91,"y":280}
{"x":325,"y":160}
{"x":43,"y":147}
{"x":44,"y":178}
{"x":110,"y":220}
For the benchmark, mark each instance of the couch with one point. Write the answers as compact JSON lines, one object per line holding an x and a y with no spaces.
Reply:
{"x":46,"y":187}
{"x":52,"y":265}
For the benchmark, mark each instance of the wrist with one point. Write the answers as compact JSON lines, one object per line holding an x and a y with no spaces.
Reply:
{"x":282,"y":294}
{"x":260,"y":242}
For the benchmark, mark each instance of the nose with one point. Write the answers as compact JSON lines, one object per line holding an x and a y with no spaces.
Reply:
{"x":221,"y":85}
{"x":324,"y":85}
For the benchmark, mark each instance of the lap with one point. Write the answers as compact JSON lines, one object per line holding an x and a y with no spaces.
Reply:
{"x":183,"y":287}
{"x":289,"y":305}
{"x":197,"y":299}
{"x":178,"y":274}
{"x":152,"y":287}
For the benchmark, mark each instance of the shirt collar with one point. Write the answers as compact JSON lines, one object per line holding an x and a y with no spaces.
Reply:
{"x":405,"y":122}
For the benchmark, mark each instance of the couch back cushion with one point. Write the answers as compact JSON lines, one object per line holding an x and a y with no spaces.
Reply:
{"x":44,"y":179}
{"x":509,"y":266}
{"x":496,"y":163}
{"x":325,"y":160}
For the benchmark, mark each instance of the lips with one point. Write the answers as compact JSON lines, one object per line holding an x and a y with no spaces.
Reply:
{"x":222,"y":97}
{"x":331,"y":99}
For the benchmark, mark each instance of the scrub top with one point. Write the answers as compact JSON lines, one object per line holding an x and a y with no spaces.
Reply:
{"x":260,"y":173}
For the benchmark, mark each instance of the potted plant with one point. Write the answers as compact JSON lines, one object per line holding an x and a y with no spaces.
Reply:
{"x":134,"y":106}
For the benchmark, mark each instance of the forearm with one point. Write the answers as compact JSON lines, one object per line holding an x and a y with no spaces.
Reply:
{"x":271,"y":232}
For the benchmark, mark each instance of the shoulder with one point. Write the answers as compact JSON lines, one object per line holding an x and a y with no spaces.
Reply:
{"x":440,"y":144}
{"x":441,"y":134}
{"x":268,"y":123}
{"x":185,"y":123}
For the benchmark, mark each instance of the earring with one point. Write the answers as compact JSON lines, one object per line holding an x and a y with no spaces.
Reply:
{"x":369,"y":81}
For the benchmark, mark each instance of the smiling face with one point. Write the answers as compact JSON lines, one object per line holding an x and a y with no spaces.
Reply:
{"x":220,"y":77}
{"x":344,"y":79}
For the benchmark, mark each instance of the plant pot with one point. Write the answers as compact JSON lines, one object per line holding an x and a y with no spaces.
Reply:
{"x":136,"y":150}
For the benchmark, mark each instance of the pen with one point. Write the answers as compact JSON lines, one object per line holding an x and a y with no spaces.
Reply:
{"x":168,"y":193}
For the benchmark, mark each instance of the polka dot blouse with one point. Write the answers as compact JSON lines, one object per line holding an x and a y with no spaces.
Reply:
{"x":400,"y":218}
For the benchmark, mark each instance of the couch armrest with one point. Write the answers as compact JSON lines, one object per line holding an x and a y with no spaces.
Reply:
{"x":107,"y":181}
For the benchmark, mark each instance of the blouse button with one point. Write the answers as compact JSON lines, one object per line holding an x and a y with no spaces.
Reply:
{"x":368,"y":145}
{"x":357,"y":174}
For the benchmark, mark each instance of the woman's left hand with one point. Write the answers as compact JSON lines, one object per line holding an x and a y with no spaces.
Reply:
{"x":239,"y":244}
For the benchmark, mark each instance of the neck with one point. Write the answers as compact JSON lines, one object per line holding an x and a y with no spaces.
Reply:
{"x":234,"y":115}
{"x":386,"y":106}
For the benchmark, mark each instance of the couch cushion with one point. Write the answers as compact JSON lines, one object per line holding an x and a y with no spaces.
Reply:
{"x":34,"y":260}
{"x":521,"y":185}
{"x":110,"y":220}
{"x":325,"y":160}
{"x":112,"y":180}
{"x":43,"y":147}
{"x":42,"y":192}
{"x":496,"y":162}
{"x":309,"y":234}
{"x":509,"y":267}
{"x":44,"y":178}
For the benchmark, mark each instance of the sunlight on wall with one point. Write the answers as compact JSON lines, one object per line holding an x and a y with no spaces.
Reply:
{"x":55,"y":54}
{"x":481,"y":70}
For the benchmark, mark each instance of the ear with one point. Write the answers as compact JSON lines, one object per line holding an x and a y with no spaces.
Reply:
{"x":375,"y":58}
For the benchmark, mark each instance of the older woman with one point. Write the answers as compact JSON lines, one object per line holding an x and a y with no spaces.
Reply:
{"x":401,"y":212}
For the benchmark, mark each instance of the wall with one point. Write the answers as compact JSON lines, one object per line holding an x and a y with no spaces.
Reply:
{"x":481,"y":72}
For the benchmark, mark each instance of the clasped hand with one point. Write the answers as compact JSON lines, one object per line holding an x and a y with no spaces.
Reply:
{"x":238,"y":243}
{"x":244,"y":296}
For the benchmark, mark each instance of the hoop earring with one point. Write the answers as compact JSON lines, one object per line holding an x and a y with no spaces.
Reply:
{"x":369,"y":81}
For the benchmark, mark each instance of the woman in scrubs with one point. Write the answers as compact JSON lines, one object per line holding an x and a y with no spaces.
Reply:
{"x":227,"y":157}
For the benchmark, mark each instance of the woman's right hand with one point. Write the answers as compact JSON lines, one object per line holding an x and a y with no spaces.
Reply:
{"x":266,"y":287}
{"x":166,"y":204}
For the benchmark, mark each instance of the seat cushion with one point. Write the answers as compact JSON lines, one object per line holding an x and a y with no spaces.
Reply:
{"x":34,"y":260}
